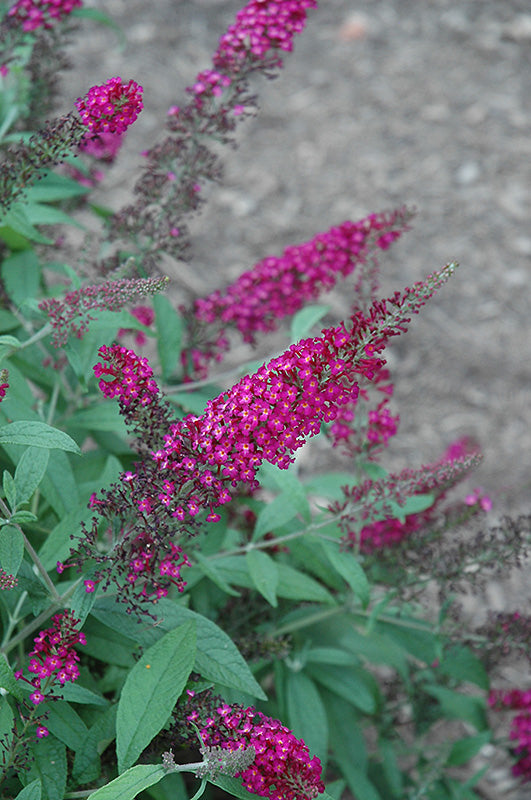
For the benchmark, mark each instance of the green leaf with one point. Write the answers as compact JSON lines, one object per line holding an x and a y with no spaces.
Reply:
{"x":306,"y":713}
{"x":208,"y":569}
{"x":392,"y":772}
{"x":233,"y":786}
{"x":275,"y":514}
{"x":264,"y":574}
{"x":360,"y":783}
{"x":107,"y":645}
{"x":455,"y":705}
{"x":104,"y":416}
{"x":38,"y":434}
{"x":21,"y":274}
{"x":329,"y":485}
{"x":346,"y":736}
{"x":8,"y":681}
{"x":305,"y":319}
{"x":16,"y":230}
{"x":131,"y":783}
{"x":30,"y":472}
{"x":10,"y":490}
{"x":53,"y":186}
{"x":66,"y":724}
{"x":49,"y":764}
{"x":331,"y":655}
{"x":6,"y":717}
{"x":87,"y":766}
{"x":408,"y":633}
{"x":56,"y":546}
{"x":169,"y":334}
{"x":287,"y":480}
{"x":460,"y":663}
{"x":308,"y":554}
{"x":42,"y":214}
{"x":22,"y":517}
{"x":350,"y":569}
{"x":75,"y":693}
{"x":217,"y":658}
{"x":354,"y":684}
{"x":11,"y":549}
{"x":295,"y":585}
{"x":33,"y":791}
{"x":58,"y":485}
{"x":151,"y":690}
{"x":465,"y":749}
{"x":8,"y":321}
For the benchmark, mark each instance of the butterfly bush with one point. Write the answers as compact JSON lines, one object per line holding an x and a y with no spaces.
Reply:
{"x":190,"y":502}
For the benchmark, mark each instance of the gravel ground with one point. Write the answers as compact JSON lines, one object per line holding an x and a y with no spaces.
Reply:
{"x":383,"y":102}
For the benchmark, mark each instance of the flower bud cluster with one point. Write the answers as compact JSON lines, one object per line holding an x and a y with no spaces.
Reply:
{"x":71,"y":314}
{"x":372,"y":502}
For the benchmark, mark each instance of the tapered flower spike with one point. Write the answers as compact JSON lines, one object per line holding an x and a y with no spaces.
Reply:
{"x":278,"y":287}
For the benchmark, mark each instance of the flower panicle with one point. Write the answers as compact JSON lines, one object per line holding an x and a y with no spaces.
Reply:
{"x":277,"y":287}
{"x":71,"y":314}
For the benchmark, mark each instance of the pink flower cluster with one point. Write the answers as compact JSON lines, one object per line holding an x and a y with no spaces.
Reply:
{"x":278,"y":287}
{"x":71,"y":314}
{"x":282,"y":768}
{"x":33,"y":14}
{"x":54,"y":659}
{"x":132,"y":378}
{"x":111,"y":107}
{"x":261,"y":26}
{"x":517,"y":700}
